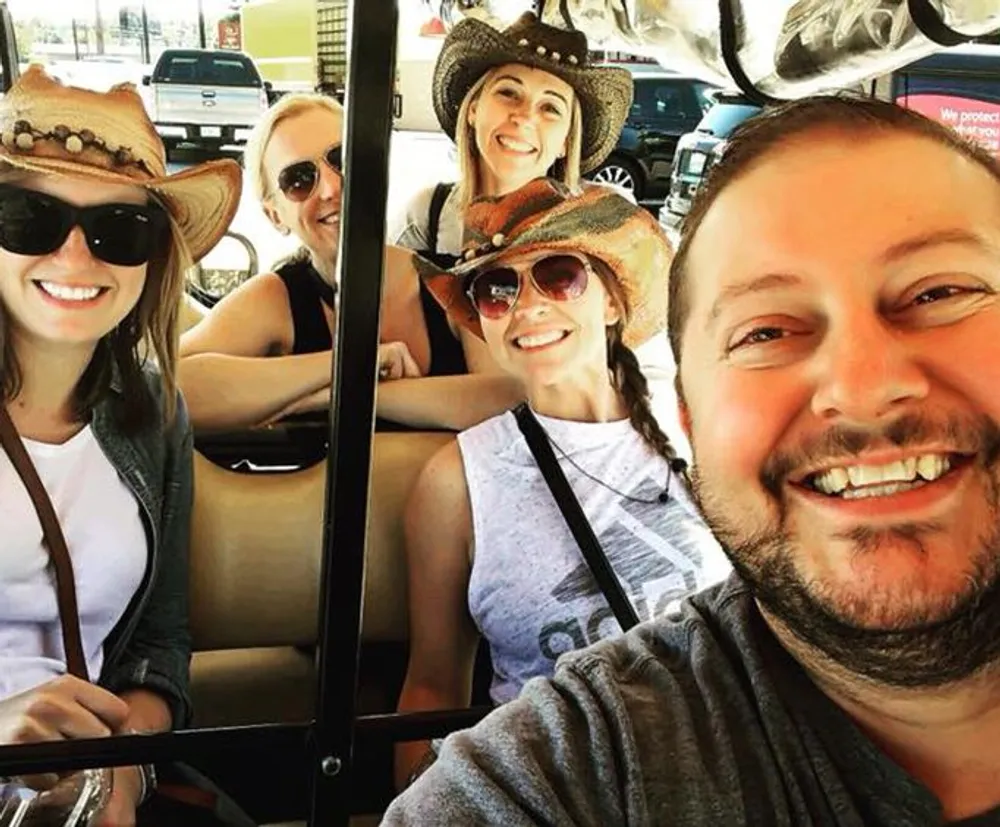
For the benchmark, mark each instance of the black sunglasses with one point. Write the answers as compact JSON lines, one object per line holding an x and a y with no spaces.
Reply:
{"x":298,"y":181}
{"x":562,"y":277}
{"x":36,"y":224}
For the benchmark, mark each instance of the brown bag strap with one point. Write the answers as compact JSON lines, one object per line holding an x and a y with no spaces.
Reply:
{"x":62,"y":564}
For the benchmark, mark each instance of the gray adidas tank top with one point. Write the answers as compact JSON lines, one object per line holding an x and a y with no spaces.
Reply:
{"x":531,"y":592}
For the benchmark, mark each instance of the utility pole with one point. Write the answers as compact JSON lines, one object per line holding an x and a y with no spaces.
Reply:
{"x":98,"y":28}
{"x":201,"y":25}
{"x":146,"y":56}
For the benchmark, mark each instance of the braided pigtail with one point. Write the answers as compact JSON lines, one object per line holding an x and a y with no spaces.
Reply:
{"x":630,"y":382}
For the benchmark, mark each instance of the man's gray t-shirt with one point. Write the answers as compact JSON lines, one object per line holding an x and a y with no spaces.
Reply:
{"x":699,"y":719}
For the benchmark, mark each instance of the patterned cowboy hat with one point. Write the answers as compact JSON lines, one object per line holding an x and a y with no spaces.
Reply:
{"x":545,"y":215}
{"x":107,"y":136}
{"x":473,"y":47}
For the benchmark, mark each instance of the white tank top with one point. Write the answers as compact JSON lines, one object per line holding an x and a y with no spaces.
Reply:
{"x":531,"y":592}
{"x":107,"y":543}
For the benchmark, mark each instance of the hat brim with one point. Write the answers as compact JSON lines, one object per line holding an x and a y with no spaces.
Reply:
{"x":474,"y":47}
{"x":202,"y":199}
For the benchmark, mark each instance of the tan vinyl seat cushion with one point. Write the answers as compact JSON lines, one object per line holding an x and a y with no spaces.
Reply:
{"x":257,"y":542}
{"x":256,"y":549}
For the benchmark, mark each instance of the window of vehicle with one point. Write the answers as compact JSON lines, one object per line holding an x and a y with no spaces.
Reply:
{"x":215,"y":68}
{"x":726,"y":115}
{"x":656,"y":99}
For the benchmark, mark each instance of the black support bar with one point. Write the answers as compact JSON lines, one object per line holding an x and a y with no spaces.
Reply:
{"x":372,"y":64}
{"x":125,"y":750}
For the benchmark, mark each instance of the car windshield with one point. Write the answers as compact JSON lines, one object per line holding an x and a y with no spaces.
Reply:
{"x":215,"y":69}
{"x":725,"y":116}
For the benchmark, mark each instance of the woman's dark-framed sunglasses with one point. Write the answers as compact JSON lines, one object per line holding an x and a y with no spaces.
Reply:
{"x":562,"y":277}
{"x":35,"y":224}
{"x":298,"y":181}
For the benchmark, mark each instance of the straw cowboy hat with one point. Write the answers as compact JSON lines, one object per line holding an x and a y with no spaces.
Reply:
{"x":106,"y":136}
{"x":545,"y":215}
{"x":472,"y":48}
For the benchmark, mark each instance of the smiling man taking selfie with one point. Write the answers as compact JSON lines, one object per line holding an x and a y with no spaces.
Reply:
{"x":835,"y":319}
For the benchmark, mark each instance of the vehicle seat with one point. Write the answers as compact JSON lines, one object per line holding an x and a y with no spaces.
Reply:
{"x":254,"y":586}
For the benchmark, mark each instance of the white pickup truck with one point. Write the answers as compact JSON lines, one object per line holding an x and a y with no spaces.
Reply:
{"x":205,"y":97}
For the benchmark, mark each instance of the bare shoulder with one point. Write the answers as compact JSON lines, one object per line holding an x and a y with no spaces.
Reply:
{"x":441,"y":494}
{"x":253,"y":320}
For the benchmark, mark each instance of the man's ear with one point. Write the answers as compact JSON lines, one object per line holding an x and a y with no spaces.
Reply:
{"x":683,"y":412}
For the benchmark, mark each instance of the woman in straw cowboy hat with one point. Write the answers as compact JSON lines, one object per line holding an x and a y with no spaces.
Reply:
{"x":95,"y":239}
{"x":560,"y":286}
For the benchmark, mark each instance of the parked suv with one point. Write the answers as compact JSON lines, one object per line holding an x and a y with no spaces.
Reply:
{"x":205,"y":97}
{"x":665,"y":105}
{"x":697,"y":150}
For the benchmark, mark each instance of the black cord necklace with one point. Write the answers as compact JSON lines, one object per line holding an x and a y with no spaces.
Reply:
{"x":674,"y":465}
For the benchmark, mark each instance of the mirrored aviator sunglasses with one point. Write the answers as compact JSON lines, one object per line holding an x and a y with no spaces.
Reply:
{"x":560,"y":277}
{"x":36,"y":224}
{"x":298,"y":181}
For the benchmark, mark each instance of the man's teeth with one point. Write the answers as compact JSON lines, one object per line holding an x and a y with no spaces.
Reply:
{"x":67,"y":293}
{"x":539,"y":339}
{"x":850,"y":480}
{"x":515,"y":144}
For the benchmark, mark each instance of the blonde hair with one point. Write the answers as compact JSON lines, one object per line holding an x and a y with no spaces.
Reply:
{"x":470,"y":186}
{"x":286,"y":107}
{"x":152,"y":325}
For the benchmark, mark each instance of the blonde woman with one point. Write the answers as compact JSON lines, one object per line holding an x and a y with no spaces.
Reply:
{"x":264,"y":352}
{"x":94,"y":242}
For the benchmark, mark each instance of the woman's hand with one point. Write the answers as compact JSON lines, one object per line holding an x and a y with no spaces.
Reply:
{"x":124,"y":801}
{"x":396,"y":362}
{"x":64,"y":708}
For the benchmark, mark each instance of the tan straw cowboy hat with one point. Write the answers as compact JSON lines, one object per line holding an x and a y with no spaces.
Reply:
{"x":546,"y":215}
{"x":472,"y":48}
{"x":106,"y":136}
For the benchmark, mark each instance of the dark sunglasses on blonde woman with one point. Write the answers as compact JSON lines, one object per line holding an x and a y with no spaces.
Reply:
{"x":36,"y":224}
{"x":563,"y":277}
{"x":298,"y":181}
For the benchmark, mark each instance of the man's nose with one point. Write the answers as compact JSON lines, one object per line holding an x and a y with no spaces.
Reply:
{"x":868,"y":372}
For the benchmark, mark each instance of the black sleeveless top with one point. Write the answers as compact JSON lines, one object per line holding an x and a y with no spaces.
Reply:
{"x":307,"y":293}
{"x":447,"y":356}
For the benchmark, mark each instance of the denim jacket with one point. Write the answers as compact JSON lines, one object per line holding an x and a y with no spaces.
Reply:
{"x":150,"y":647}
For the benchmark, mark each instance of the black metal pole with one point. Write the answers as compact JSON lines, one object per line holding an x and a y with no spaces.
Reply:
{"x":146,"y":55}
{"x":201,"y":24}
{"x":372,"y":32}
{"x":76,"y":41}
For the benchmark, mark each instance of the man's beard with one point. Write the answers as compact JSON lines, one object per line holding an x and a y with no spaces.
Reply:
{"x":918,"y":646}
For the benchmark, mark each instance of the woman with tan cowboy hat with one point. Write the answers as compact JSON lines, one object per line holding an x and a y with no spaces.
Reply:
{"x":520,"y":103}
{"x":560,"y":286}
{"x":95,"y":471}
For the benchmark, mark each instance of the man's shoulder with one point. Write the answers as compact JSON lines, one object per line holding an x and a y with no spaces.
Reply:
{"x":700,"y":633}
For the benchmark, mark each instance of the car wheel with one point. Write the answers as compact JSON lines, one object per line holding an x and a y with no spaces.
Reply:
{"x":622,"y":173}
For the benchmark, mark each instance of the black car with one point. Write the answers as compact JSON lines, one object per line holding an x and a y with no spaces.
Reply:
{"x":665,"y":105}
{"x":697,"y":150}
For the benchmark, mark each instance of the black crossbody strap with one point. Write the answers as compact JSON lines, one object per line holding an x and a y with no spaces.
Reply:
{"x":577,"y":521}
